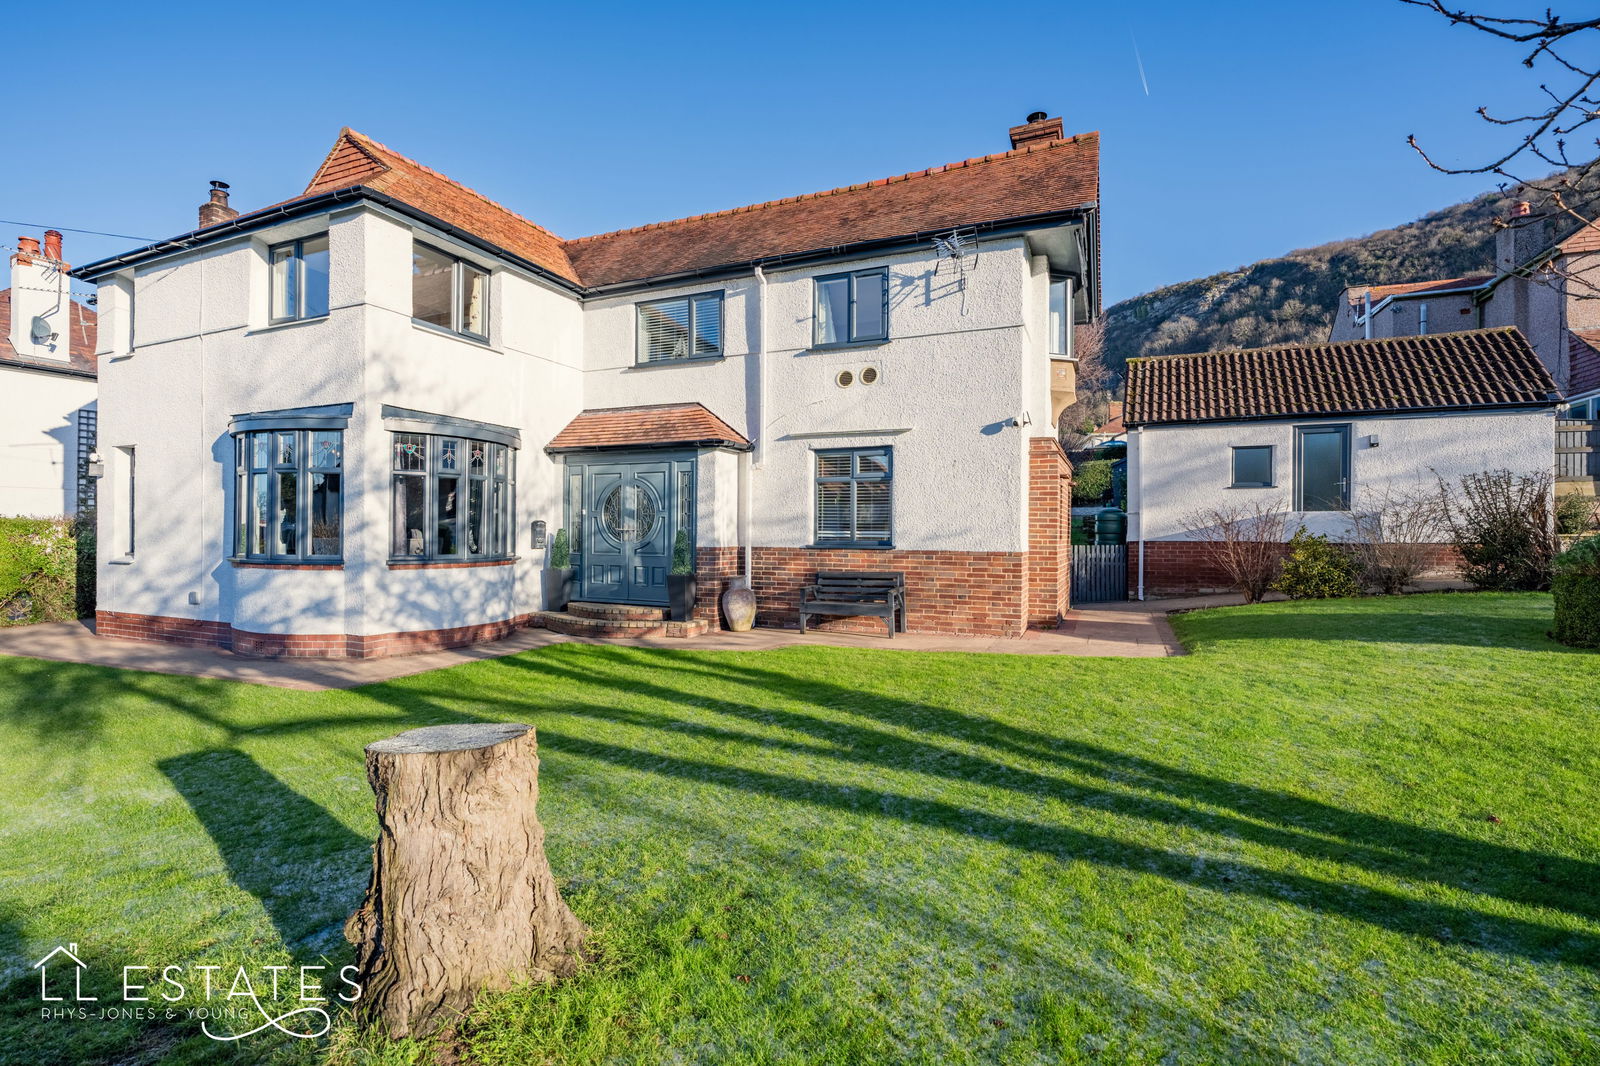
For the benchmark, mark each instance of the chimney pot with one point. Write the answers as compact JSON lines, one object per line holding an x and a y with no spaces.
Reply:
{"x":1521,"y":209}
{"x":27,"y":246}
{"x":1039,"y":129}
{"x":52,"y":244}
{"x":216,"y":210}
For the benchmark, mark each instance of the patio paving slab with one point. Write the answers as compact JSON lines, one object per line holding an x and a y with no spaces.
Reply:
{"x":1106,"y":630}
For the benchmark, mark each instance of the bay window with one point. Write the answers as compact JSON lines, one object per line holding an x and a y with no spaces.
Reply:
{"x":452,"y":498}
{"x":289,"y":495}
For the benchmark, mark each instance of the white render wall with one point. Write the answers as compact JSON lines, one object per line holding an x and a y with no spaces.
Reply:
{"x":187,"y":347}
{"x":39,"y":440}
{"x":1174,"y":471}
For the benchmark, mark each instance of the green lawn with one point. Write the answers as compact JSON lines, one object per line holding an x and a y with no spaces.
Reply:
{"x":1343,"y":832}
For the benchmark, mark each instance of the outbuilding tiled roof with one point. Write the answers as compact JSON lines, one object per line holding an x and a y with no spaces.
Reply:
{"x":1441,"y":371}
{"x":652,"y":426}
{"x":80,"y":360}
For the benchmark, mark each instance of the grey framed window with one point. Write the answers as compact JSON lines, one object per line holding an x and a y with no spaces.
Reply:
{"x":688,"y":327}
{"x":448,"y":292}
{"x":452,"y":499}
{"x":855,"y":497}
{"x":1322,"y":468}
{"x":299,"y":272}
{"x":288,"y":500}
{"x":1252,"y":467}
{"x":1060,"y":315}
{"x":851,"y":308}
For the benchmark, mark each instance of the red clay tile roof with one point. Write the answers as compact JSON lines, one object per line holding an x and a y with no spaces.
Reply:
{"x":1413,"y":288}
{"x":1040,"y":178}
{"x":1583,"y":354}
{"x":356,"y":159}
{"x":1451,"y":371}
{"x":1113,"y":423}
{"x":1586,"y":239}
{"x":652,"y":425}
{"x":80,"y":345}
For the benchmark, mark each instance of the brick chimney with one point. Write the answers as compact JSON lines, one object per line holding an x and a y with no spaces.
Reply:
{"x":216,"y":209}
{"x":1039,"y":129}
{"x":41,"y":301}
{"x":1520,"y":236}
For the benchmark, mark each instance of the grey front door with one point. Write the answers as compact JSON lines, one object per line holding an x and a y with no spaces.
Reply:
{"x":628,"y":517}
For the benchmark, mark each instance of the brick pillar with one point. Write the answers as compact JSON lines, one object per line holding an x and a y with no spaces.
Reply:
{"x":1049,"y":532}
{"x":712,"y":569}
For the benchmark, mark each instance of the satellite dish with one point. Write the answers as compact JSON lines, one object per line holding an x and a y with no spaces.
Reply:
{"x":42,"y":333}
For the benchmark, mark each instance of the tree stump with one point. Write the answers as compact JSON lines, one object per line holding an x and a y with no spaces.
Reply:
{"x":461,"y":896}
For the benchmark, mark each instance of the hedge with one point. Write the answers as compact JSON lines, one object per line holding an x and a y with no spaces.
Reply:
{"x":1091,"y":481}
{"x":1576,"y":588}
{"x":46,"y":569}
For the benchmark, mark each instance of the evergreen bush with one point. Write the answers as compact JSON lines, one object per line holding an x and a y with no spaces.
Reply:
{"x":1317,"y":569}
{"x":1576,"y":588}
{"x":682,"y":563}
{"x":1091,"y":481}
{"x":561,"y":550}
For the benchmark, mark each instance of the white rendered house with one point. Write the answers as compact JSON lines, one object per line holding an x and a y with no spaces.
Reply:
{"x":47,"y":386}
{"x":350,"y":423}
{"x":1327,"y":433}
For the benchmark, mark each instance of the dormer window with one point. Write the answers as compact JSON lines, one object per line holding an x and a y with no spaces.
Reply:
{"x":299,"y":279}
{"x":449,"y":293}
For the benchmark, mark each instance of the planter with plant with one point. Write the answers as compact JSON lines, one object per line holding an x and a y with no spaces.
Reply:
{"x":680,"y":579}
{"x":1576,"y":588}
{"x":557,"y":576}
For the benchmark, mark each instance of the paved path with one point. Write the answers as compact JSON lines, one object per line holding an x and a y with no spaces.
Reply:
{"x":1116,"y":630}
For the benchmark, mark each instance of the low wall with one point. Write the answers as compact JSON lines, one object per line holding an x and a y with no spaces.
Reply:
{"x":1187,"y":567}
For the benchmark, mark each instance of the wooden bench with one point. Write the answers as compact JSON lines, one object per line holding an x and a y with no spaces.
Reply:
{"x":873,"y":593}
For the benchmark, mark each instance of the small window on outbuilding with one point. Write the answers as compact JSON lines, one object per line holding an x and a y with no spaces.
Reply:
{"x":1252,"y":467}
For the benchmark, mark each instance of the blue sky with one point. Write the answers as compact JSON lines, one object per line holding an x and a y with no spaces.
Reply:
{"x":1266,"y":127}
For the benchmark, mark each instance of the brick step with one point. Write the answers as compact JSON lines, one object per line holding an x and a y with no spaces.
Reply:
{"x":575,"y":625}
{"x":620,"y":612}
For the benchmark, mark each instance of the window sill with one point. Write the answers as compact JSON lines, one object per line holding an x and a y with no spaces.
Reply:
{"x":688,"y":360}
{"x":441,"y":331}
{"x":288,"y":323}
{"x":848,"y":545}
{"x":845,"y":346}
{"x":126,"y":560}
{"x":447,"y":564}
{"x":285,"y":564}
{"x":1250,"y":486}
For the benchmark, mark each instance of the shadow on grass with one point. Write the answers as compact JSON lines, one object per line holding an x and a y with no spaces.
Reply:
{"x":1117,"y":782}
{"x":303,"y":865}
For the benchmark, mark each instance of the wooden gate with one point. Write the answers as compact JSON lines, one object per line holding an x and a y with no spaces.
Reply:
{"x":1099,"y":573}
{"x":1577,"y":450}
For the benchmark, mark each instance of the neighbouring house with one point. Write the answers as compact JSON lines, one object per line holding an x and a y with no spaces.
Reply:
{"x":1546,"y":283}
{"x":350,"y":423}
{"x":1324,"y":432}
{"x":1112,"y":429}
{"x":47,"y":386}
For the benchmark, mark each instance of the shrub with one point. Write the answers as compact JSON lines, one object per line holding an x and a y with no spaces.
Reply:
{"x":1316,"y":569}
{"x":561,"y":550}
{"x":1244,"y":543}
{"x":1576,"y":588}
{"x":682,"y":562}
{"x":38,"y":570}
{"x":1091,"y":481}
{"x":1502,"y":525}
{"x":1574,"y":514}
{"x":1393,"y":538}
{"x":84,"y":533}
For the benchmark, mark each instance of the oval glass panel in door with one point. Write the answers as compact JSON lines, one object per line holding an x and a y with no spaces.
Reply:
{"x":622,"y":526}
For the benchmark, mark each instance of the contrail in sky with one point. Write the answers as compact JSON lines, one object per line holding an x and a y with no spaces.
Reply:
{"x":1137,"y":59}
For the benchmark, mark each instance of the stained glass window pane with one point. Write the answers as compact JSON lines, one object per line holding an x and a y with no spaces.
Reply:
{"x":261,"y":450}
{"x":449,"y":455}
{"x":476,"y":457}
{"x":326,"y":446}
{"x":410,"y":451}
{"x":285,"y":449}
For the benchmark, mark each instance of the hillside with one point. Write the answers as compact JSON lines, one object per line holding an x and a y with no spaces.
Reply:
{"x":1292,"y":299}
